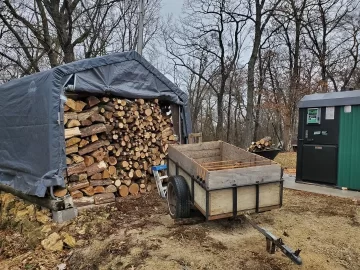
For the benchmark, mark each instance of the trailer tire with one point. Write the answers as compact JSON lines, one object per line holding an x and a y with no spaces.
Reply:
{"x":178,"y":197}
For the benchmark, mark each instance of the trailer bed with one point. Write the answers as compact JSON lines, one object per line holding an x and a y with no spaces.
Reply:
{"x":226,"y":181}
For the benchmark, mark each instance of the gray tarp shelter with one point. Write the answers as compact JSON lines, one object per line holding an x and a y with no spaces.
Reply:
{"x":32,"y":144}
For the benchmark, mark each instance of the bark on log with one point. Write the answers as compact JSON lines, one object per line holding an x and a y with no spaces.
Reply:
{"x":110,"y":189}
{"x":88,"y":191}
{"x":91,"y":147}
{"x":76,"y":168}
{"x":77,"y":186}
{"x":95,"y":183}
{"x":72,"y":132}
{"x":91,"y":130}
{"x":99,"y":189}
{"x":96,"y":168}
{"x":76,"y":194}
{"x":72,"y":141}
{"x":104,"y":198}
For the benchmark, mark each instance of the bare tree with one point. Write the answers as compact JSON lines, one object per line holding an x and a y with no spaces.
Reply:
{"x":212,"y":29}
{"x":260,"y":15}
{"x":324,"y":19}
{"x":45,"y":33}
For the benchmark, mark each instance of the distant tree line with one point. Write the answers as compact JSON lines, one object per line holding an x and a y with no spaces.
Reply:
{"x":245,"y":63}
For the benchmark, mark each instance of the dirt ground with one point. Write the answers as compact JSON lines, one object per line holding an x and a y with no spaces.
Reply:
{"x":139,"y":234}
{"x":287,"y":160}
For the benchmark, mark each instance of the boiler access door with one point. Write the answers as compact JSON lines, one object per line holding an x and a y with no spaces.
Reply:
{"x":320,"y":163}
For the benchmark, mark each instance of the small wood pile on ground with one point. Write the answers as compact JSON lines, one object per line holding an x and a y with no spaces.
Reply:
{"x":111,"y":144}
{"x":263,"y":144}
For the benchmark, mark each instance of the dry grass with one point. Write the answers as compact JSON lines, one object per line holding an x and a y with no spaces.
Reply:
{"x":287,"y":160}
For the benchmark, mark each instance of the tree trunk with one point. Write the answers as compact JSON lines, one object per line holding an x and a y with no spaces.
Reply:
{"x":220,"y":117}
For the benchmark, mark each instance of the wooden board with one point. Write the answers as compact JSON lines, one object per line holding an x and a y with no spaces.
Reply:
{"x":200,"y":197}
{"x":208,"y":159}
{"x":269,"y":194}
{"x":198,"y":154}
{"x":197,"y":146}
{"x":185,"y":162}
{"x":231,"y":152}
{"x":172,"y":168}
{"x":221,"y":201}
{"x":243,"y":176}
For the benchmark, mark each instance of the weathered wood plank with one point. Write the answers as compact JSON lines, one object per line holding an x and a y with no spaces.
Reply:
{"x":198,"y":147}
{"x":202,"y":153}
{"x":243,"y":176}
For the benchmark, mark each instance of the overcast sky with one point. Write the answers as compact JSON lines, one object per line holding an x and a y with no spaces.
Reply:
{"x":172,"y":6}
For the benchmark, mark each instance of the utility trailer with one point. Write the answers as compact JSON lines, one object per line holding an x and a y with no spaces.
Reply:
{"x":223,"y":181}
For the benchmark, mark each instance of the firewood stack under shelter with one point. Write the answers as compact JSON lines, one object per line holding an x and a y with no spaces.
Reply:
{"x":111,"y":145}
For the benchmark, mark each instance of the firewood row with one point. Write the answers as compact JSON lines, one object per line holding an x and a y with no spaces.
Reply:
{"x":263,"y":144}
{"x":111,"y":145}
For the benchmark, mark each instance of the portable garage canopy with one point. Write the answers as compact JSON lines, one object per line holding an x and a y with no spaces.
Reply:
{"x":32,"y":143}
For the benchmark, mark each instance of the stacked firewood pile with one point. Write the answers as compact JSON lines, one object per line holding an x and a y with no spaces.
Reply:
{"x":263,"y":144}
{"x":111,"y":144}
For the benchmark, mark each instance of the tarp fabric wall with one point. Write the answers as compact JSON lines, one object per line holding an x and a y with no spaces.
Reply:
{"x":32,"y":145}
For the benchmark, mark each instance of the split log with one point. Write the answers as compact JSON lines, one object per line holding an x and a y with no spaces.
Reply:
{"x":87,"y":114}
{"x":112,"y":170}
{"x":91,"y":147}
{"x":91,"y":130}
{"x":70,"y":116}
{"x":96,"y":168}
{"x":72,"y":132}
{"x":76,"y":194}
{"x":84,"y":201}
{"x":104,"y":198}
{"x":127,"y":182}
{"x":89,"y":160}
{"x":69,"y":161}
{"x":72,"y":141}
{"x":117,"y":183}
{"x":76,"y":168}
{"x":71,"y":104}
{"x":72,"y":149}
{"x":96,"y":176}
{"x":92,"y":101}
{"x":123,"y":191}
{"x":97,"y":118}
{"x":134,"y":189}
{"x":77,"y":186}
{"x":94,"y":138}
{"x":112,"y":161}
{"x":96,"y":183}
{"x":73,"y":123}
{"x":83,"y":143}
{"x":78,"y":177}
{"x":111,"y":189}
{"x":88,"y":191}
{"x":99,"y":155}
{"x":105,"y":174}
{"x":99,"y":189}
{"x":80,"y":105}
{"x":86,"y":123}
{"x":77,"y":158}
{"x":61,"y":192}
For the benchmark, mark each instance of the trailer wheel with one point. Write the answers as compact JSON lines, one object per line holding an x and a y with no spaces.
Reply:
{"x":178,"y":197}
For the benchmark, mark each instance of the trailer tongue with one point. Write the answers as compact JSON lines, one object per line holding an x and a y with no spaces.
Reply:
{"x":272,"y":242}
{"x":222,"y":181}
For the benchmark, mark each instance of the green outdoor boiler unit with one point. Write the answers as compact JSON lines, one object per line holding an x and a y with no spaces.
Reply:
{"x":329,"y":139}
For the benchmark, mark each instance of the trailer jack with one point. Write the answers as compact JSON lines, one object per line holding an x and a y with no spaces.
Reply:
{"x":272,"y":242}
